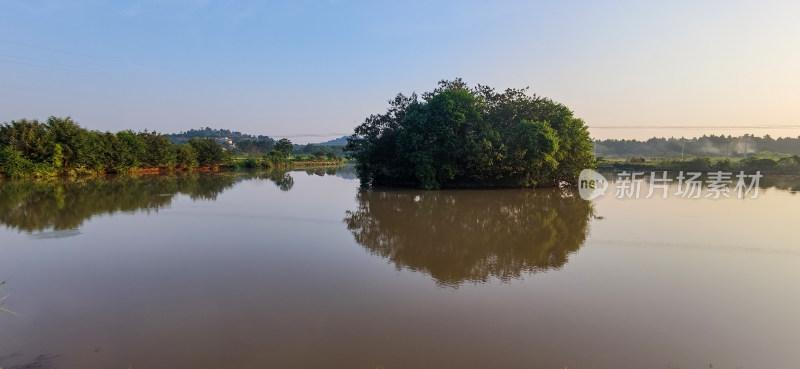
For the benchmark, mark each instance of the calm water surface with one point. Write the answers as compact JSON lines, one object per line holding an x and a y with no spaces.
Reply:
{"x":303,"y":270}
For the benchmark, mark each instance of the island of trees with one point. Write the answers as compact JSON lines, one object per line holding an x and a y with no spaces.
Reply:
{"x":59,"y":146}
{"x":457,"y":135}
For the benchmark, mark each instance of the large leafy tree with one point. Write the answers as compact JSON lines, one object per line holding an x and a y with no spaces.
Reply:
{"x":30,"y":138}
{"x":131,"y":148}
{"x":160,"y":152}
{"x":209,"y":152}
{"x":74,"y":140}
{"x":457,"y":135}
{"x":432,"y":141}
{"x":284,"y":146}
{"x":185,"y":157}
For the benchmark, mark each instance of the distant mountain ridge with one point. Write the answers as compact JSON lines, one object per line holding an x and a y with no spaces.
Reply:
{"x":335,"y":142}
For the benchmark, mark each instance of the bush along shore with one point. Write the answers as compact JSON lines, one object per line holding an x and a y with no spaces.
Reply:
{"x":61,"y":147}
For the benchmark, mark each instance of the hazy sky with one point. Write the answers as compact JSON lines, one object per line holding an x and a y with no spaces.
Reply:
{"x":320,"y":67}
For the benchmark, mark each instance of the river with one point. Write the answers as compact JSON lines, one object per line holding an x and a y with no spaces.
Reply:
{"x":304,"y":270}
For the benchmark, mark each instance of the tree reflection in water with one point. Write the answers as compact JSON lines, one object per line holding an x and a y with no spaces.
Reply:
{"x":784,"y":183}
{"x":472,"y":236}
{"x":32,"y":206}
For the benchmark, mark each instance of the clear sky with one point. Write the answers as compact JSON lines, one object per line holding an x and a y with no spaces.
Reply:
{"x":294,"y":68}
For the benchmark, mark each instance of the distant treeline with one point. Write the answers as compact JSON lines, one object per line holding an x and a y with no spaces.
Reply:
{"x":717,"y":146}
{"x":59,"y":146}
{"x":244,"y":144}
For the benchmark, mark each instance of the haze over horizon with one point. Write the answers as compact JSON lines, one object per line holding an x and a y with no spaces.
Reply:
{"x":313,"y":70}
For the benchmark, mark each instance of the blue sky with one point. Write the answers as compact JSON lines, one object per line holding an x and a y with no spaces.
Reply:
{"x":296,"y":68}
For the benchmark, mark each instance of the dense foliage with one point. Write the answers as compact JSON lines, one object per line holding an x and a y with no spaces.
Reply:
{"x":61,"y":146}
{"x":254,"y":147}
{"x":251,"y":145}
{"x":457,"y":135}
{"x":235,"y":141}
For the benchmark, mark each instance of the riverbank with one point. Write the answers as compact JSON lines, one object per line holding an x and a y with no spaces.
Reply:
{"x":784,"y":164}
{"x":60,"y":147}
{"x":234,"y":166}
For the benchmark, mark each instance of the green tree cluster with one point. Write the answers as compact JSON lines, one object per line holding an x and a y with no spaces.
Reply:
{"x":462,"y":136}
{"x":254,"y":147}
{"x":61,"y":146}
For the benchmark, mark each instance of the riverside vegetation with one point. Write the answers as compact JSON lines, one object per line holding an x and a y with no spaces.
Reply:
{"x":706,"y":153}
{"x":764,"y":162}
{"x":61,"y":147}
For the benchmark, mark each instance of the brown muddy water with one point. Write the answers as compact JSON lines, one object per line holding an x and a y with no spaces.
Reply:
{"x":303,"y":270}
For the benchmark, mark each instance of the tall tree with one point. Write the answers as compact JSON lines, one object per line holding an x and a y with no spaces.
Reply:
{"x":74,"y":140}
{"x":284,"y":146}
{"x":209,"y":151}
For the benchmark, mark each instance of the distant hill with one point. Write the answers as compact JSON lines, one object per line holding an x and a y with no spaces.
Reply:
{"x":335,"y":142}
{"x":256,"y":145}
{"x":221,"y":134}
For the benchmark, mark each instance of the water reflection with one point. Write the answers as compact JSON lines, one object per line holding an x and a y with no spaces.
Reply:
{"x":55,"y":234}
{"x":785,"y":183}
{"x":62,"y":206}
{"x":282,"y":179}
{"x":789,"y":183}
{"x":346,"y":172}
{"x":472,"y":236}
